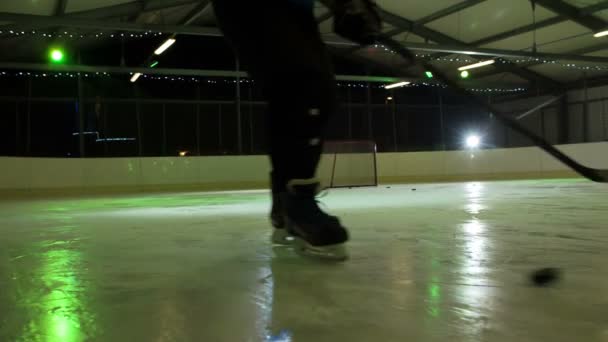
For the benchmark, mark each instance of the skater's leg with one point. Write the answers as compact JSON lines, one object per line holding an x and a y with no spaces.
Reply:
{"x":298,"y":115}
{"x":299,"y":109}
{"x":297,"y":118}
{"x":278,"y":41}
{"x":282,"y":46}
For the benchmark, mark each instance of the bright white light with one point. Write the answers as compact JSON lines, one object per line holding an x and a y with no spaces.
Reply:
{"x":390,"y":98}
{"x":601,"y":34}
{"x":473,"y":141}
{"x":135,"y":77}
{"x":396,"y":85}
{"x":477,"y":65}
{"x":165,"y":46}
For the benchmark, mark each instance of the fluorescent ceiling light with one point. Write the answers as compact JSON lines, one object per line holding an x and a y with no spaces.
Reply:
{"x":135,"y":77}
{"x":601,"y":34}
{"x":165,"y":46}
{"x":477,"y":65}
{"x":396,"y":85}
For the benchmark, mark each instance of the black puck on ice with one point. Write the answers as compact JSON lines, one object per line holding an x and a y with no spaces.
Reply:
{"x":545,"y":276}
{"x":413,"y":189}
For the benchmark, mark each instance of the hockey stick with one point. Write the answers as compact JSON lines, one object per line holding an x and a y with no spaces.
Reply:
{"x":539,"y":107}
{"x":596,"y":175}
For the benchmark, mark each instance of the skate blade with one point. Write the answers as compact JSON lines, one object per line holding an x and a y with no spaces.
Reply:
{"x":331,"y":252}
{"x":281,"y":237}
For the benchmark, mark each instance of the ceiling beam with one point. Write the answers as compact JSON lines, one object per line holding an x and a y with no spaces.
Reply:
{"x":41,"y":67}
{"x":511,"y":33}
{"x":441,"y":38}
{"x":408,"y":25}
{"x":429,"y":18}
{"x":196,"y":13}
{"x":167,"y":71}
{"x":60,"y":7}
{"x":369,"y":64}
{"x":484,"y":52}
{"x":129,"y":8}
{"x":447,"y":44}
{"x":106,"y":25}
{"x":574,"y":13}
{"x":135,"y":17}
{"x":539,"y":25}
{"x":520,"y":30}
{"x":588,"y":82}
{"x":577,"y":52}
{"x":600,"y":6}
{"x":589,"y":49}
{"x":448,"y":11}
{"x":580,"y":16}
{"x":531,"y":27}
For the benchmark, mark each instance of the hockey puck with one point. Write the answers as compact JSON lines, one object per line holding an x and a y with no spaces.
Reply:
{"x":545,"y":277}
{"x":413,"y":189}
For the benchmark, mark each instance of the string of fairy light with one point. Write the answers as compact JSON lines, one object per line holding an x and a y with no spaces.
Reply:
{"x":521,"y":60}
{"x":57,"y":56}
{"x":226,"y":81}
{"x":76,"y":35}
{"x":427,"y":57}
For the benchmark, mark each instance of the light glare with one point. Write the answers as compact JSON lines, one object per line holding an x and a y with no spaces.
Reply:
{"x":56,"y":55}
{"x":477,"y":65}
{"x":135,"y":77}
{"x":396,"y":85}
{"x":165,"y":46}
{"x":473,"y":141}
{"x":601,"y":34}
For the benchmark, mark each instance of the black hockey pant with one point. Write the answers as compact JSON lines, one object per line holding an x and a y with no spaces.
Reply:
{"x":279,"y":44}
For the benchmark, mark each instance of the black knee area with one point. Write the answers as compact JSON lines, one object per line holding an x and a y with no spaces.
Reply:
{"x":299,"y":109}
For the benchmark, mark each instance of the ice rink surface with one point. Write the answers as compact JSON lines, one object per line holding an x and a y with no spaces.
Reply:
{"x":443,"y":262}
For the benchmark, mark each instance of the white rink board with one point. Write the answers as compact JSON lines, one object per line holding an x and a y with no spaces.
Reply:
{"x":251,"y":172}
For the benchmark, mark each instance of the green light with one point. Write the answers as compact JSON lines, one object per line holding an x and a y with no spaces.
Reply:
{"x":429,"y":74}
{"x":64,"y":310}
{"x":57,"y":55}
{"x":155,"y":63}
{"x":465,"y":74}
{"x":434,"y":291}
{"x":434,"y":300}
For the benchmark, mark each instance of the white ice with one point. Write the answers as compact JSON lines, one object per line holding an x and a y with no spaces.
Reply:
{"x":446,"y":262}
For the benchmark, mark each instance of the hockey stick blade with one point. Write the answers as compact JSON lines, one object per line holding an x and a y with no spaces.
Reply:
{"x":596,"y":175}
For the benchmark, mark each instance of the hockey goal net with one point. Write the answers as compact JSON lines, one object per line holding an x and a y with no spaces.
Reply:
{"x":348,"y":164}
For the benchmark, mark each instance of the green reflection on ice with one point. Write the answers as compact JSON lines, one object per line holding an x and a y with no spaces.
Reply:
{"x":63,"y":306}
{"x":434,"y":297}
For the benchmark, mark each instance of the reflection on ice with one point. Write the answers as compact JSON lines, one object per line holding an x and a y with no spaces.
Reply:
{"x":427,"y":265}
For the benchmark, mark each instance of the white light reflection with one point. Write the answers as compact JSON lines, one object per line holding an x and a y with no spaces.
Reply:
{"x":264,"y":299}
{"x":474,"y":196}
{"x":475,"y":247}
{"x":474,"y":295}
{"x":474,"y":229}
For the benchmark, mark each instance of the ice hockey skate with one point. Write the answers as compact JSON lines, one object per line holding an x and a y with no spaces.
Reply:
{"x":315,"y":233}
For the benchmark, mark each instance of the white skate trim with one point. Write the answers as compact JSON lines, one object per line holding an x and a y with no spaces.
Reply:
{"x":330,"y":252}
{"x":281,"y":237}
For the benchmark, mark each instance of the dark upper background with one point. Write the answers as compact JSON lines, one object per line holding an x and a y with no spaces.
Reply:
{"x":416,"y":118}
